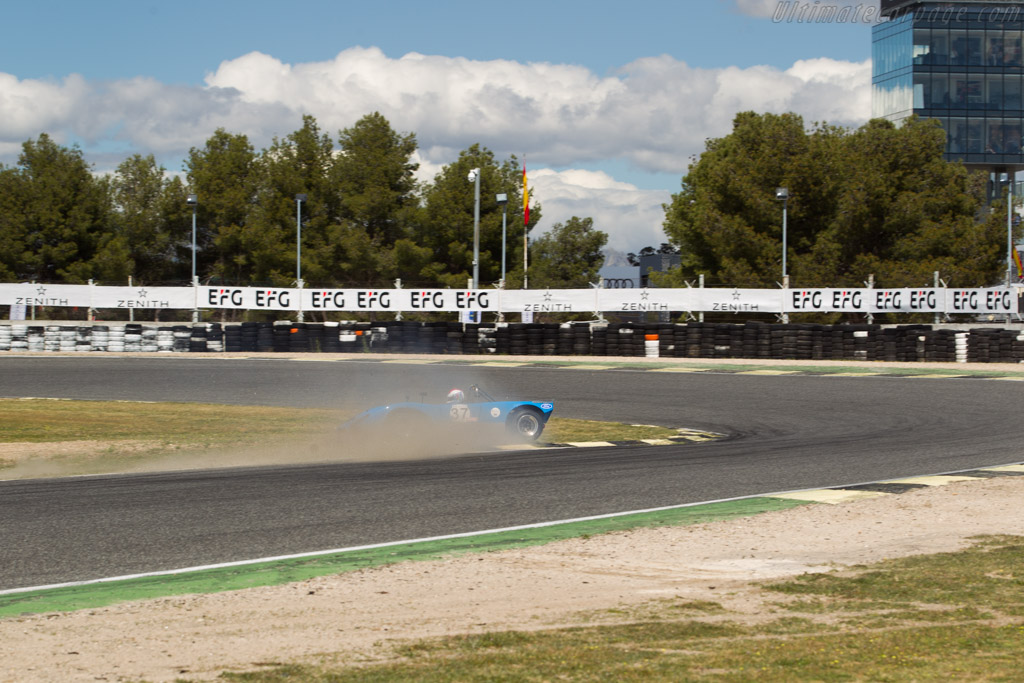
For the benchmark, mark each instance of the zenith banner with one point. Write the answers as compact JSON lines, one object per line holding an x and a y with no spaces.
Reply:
{"x":981,"y":301}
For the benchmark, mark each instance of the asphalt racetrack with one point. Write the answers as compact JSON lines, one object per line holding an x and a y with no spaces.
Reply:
{"x":784,"y":433}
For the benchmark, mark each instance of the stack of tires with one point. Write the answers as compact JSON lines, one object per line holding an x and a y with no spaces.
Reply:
{"x":246,"y":338}
{"x":181,"y":336}
{"x":165,"y":339}
{"x":990,"y":346}
{"x":6,"y":334}
{"x":133,"y":338}
{"x":52,"y":337}
{"x":18,"y":338}
{"x":115,"y":339}
{"x":692,"y":347}
{"x":36,"y":337}
{"x":487,"y":339}
{"x":298,"y":338}
{"x":518,"y":339}
{"x":148,"y":340}
{"x":453,"y":334}
{"x":232,"y":338}
{"x":329,"y":338}
{"x":599,"y":340}
{"x":940,"y":346}
{"x":215,"y":337}
{"x":100,"y":338}
{"x":282,"y":336}
{"x":580,"y":339}
{"x":1017,"y":346}
{"x":197,"y":339}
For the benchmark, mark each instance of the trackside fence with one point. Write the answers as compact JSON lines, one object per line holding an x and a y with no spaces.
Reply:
{"x":923,"y":343}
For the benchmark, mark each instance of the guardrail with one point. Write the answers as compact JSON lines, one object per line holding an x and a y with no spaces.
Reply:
{"x":914,"y":343}
{"x":870,"y":301}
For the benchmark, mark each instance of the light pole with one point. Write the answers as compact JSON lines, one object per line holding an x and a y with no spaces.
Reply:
{"x":782,"y":194}
{"x":474,"y":177}
{"x":502,"y":200}
{"x":1009,"y":228}
{"x":299,"y":198}
{"x":193,"y":201}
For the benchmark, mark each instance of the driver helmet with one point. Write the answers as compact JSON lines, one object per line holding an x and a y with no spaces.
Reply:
{"x":456,"y":396}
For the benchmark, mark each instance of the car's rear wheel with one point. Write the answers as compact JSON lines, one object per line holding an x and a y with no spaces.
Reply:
{"x":525,"y":423}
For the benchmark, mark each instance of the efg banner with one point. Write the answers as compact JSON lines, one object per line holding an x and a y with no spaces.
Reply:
{"x":976,"y":302}
{"x":997,"y":300}
{"x":905,"y":300}
{"x":377,"y":300}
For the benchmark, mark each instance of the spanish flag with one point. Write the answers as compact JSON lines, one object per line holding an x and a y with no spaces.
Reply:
{"x":1016,"y":259}
{"x":526,"y":199}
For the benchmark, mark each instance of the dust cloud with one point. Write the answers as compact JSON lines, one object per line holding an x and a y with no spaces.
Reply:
{"x":393,"y":440}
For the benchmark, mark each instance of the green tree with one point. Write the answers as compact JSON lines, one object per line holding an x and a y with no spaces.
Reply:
{"x":445,"y":225}
{"x":878,"y":200}
{"x":266,"y":248}
{"x":901,"y":213}
{"x":224,"y":174}
{"x":141,"y":243}
{"x":568,"y":256}
{"x":55,"y":214}
{"x":374,"y":174}
{"x":15,"y":253}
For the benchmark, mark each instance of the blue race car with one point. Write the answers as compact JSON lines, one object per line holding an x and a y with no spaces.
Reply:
{"x":520,"y":419}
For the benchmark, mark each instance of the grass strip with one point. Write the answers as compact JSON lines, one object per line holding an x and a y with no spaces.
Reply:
{"x":49,"y":420}
{"x":875,"y":369}
{"x":948,"y":616}
{"x":566,"y":430}
{"x":287,"y":571}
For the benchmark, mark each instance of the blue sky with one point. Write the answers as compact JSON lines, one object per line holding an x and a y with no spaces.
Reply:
{"x":607,"y":100}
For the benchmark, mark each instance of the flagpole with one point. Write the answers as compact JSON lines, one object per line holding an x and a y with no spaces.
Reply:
{"x":526,"y":227}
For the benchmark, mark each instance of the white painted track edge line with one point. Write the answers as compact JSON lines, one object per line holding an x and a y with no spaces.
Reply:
{"x":468,"y":534}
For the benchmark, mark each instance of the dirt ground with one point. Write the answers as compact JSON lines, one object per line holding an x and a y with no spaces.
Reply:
{"x":355,"y":617}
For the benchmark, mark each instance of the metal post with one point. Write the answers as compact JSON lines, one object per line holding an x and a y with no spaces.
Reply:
{"x":782,"y":194}
{"x":503,"y":202}
{"x":526,"y":251}
{"x":785,"y":203}
{"x":785,"y":287}
{"x":1009,"y":228}
{"x":398,"y":285}
{"x":870,"y":285}
{"x":935,"y":318}
{"x":193,"y":201}
{"x":299,"y":198}
{"x":700,"y":316}
{"x":474,"y":176}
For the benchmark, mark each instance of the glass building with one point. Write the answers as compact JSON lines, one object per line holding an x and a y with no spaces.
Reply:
{"x":959,"y":63}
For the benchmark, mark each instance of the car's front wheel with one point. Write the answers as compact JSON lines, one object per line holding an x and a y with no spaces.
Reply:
{"x":525,"y":423}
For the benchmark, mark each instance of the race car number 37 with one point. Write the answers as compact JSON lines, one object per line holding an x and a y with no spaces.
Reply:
{"x":459,"y":413}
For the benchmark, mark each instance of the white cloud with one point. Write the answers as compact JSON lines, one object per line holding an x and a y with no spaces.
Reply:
{"x":632,"y":217}
{"x":653,"y":114}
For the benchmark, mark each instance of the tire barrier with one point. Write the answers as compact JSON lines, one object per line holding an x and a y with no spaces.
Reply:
{"x":906,"y":343}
